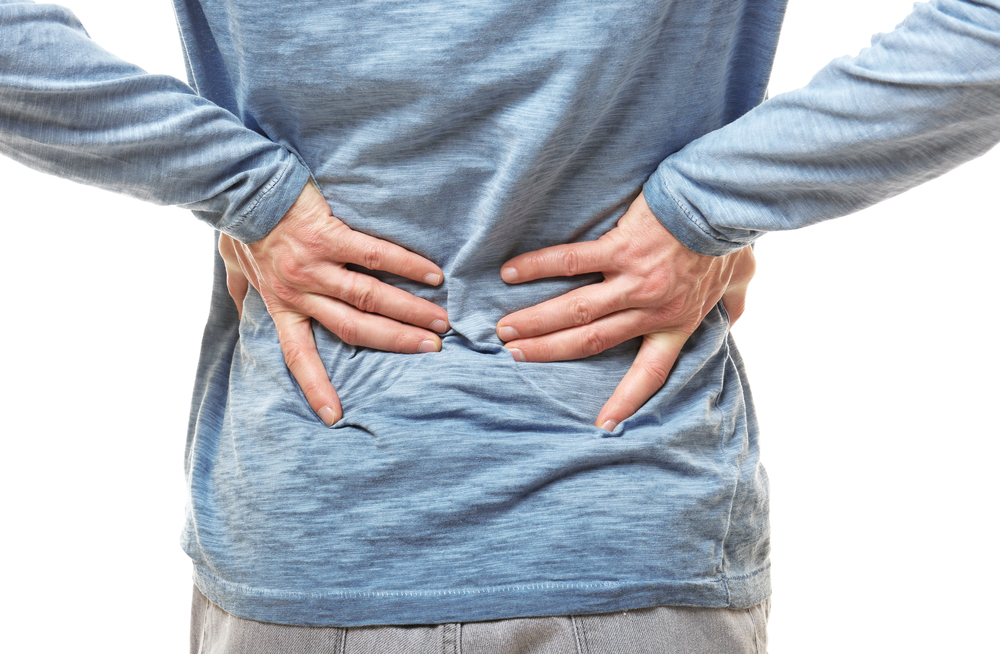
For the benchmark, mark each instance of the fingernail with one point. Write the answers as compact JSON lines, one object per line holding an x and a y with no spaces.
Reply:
{"x":327,"y":415}
{"x":428,"y":346}
{"x":517,"y":354}
{"x":509,"y":274}
{"x":508,"y":333}
{"x":439,"y":326}
{"x":609,"y":425}
{"x":432,"y":278}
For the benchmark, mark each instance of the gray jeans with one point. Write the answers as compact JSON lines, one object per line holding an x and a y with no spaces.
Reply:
{"x":660,"y":630}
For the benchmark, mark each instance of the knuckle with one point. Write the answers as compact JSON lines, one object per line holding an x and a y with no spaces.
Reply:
{"x":364,"y":296}
{"x":372,"y":255}
{"x":659,"y":279}
{"x":625,"y":259}
{"x":651,"y":285}
{"x":348,"y":331}
{"x":628,"y":255}
{"x":291,"y":272}
{"x":294,"y":355}
{"x":656,"y":370}
{"x":594,"y":341}
{"x":570,"y":262}
{"x":581,"y":311}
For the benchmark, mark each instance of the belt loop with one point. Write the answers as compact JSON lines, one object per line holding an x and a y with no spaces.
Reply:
{"x":451,"y":638}
{"x":580,"y":633}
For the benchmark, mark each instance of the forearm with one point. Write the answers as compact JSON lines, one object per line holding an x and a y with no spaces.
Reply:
{"x":70,"y":108}
{"x":922,"y":100}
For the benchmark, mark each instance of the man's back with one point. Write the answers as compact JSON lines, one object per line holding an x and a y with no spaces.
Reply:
{"x":462,"y":484}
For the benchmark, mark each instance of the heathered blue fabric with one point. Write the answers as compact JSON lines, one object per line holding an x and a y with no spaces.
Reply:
{"x":923,"y":99}
{"x":461,"y":485}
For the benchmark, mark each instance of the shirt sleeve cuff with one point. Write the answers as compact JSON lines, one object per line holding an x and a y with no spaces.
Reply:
{"x":262,"y":212}
{"x":682,"y":221}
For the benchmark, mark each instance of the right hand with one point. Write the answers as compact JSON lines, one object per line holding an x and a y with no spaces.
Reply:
{"x":300,"y":271}
{"x":654,"y":287}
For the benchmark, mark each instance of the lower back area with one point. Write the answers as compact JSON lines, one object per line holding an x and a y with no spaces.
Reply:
{"x":465,"y":474}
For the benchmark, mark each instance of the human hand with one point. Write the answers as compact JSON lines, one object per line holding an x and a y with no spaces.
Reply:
{"x":300,"y":271}
{"x":653,"y":287}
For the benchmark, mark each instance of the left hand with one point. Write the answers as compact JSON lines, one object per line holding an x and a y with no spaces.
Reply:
{"x":300,"y":270}
{"x":653,"y":287}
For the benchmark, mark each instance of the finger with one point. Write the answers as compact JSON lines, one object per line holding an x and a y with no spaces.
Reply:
{"x":356,"y":327}
{"x":735,"y":296}
{"x":299,"y":348}
{"x":236,"y":281}
{"x":581,"y":342}
{"x":227,"y":250}
{"x":373,"y":296}
{"x":559,"y":261}
{"x":247,"y":267}
{"x":377,"y":254}
{"x":238,"y":286}
{"x":574,"y":309}
{"x":648,"y":373}
{"x":735,"y":302}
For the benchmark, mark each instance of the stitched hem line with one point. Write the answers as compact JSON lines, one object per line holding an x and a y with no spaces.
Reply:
{"x":346,"y":608}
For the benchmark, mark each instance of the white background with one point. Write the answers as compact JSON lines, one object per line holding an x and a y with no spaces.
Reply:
{"x":869,"y":341}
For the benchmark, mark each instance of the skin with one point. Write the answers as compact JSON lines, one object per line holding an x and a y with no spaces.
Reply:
{"x":653,"y":287}
{"x":300,"y":271}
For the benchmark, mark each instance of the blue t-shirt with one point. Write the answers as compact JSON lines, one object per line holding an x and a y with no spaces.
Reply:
{"x":461,"y":485}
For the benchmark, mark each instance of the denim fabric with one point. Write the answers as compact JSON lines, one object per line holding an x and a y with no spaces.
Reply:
{"x":657,"y":630}
{"x":461,"y":486}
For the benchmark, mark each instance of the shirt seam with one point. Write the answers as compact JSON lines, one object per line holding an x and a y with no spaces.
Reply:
{"x":490,"y":590}
{"x":261,"y":195}
{"x":693,"y":220}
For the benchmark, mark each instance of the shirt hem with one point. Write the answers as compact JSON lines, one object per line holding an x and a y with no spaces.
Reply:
{"x":346,"y":608}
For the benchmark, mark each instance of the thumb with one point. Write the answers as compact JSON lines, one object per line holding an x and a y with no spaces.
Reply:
{"x":734,"y":299}
{"x":648,"y":373}
{"x":236,"y":281}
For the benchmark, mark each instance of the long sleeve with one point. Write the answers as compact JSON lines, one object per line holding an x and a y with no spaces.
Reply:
{"x":923,"y":99}
{"x":70,"y":108}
